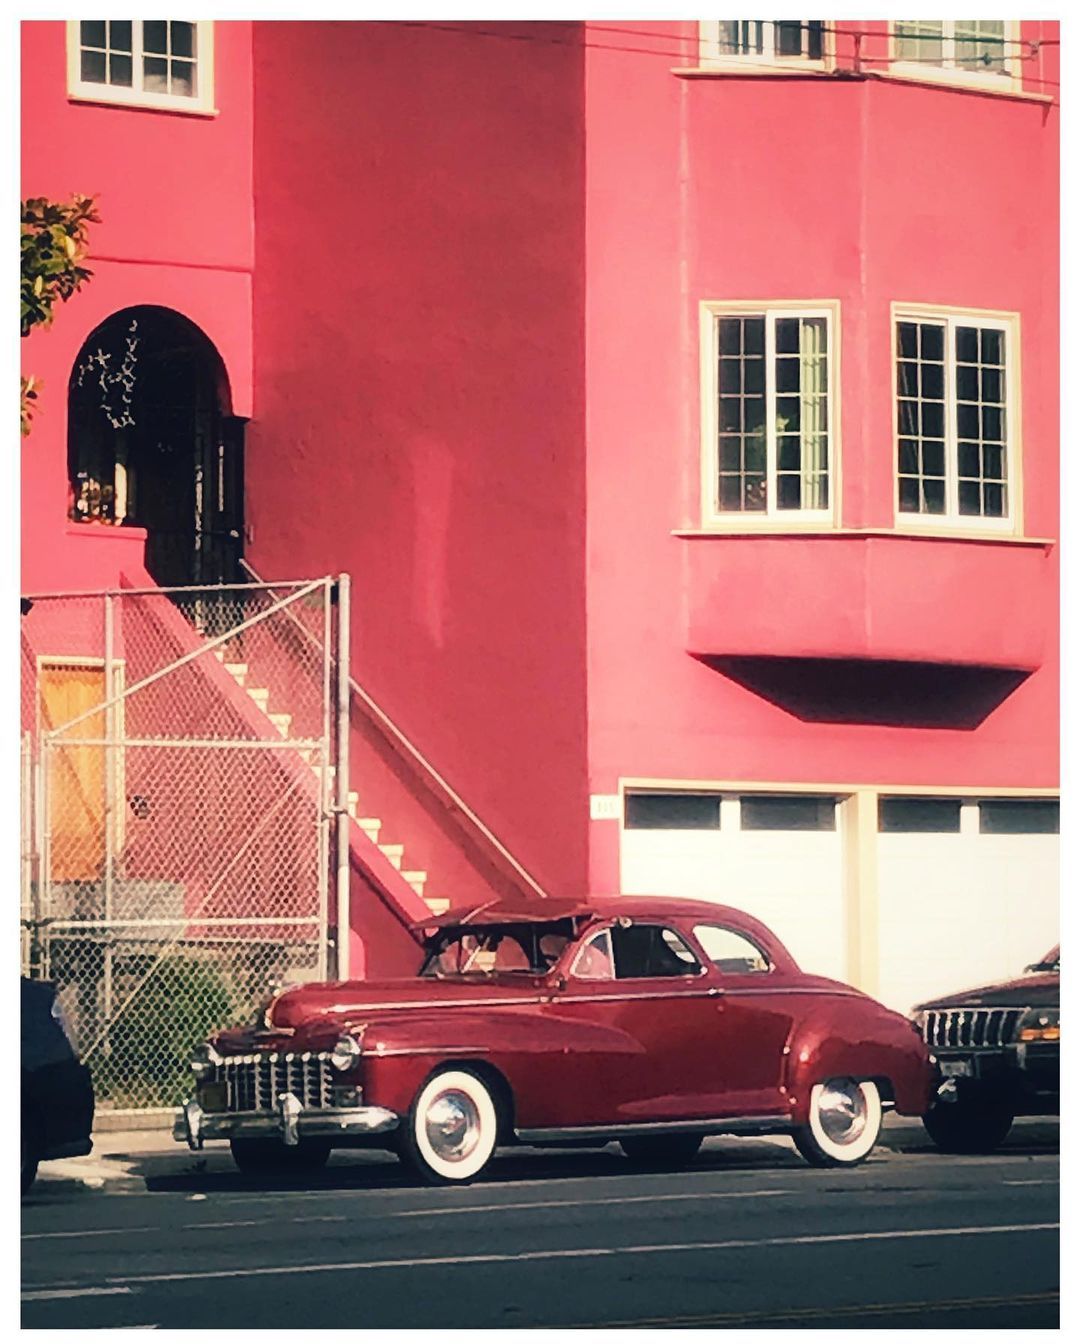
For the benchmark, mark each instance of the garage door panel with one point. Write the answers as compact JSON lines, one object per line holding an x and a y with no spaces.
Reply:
{"x":959,"y":910}
{"x":790,"y":880}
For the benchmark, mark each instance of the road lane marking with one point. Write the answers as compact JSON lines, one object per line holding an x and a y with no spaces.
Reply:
{"x":808,"y":1313}
{"x":585,"y":1203}
{"x":184,"y":1227}
{"x":583,"y":1253}
{"x":1033,"y":1182}
{"x":48,"y":1294}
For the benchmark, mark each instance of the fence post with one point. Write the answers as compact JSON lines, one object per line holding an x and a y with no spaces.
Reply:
{"x":109,"y":810}
{"x":326,"y":751}
{"x":341,"y":779}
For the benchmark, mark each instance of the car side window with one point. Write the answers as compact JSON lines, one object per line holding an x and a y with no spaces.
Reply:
{"x":594,"y":960}
{"x":730,"y":952}
{"x":645,"y":951}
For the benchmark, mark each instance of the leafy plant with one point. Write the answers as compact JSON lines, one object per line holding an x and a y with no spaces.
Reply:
{"x":180,"y":1002}
{"x":54,"y":237}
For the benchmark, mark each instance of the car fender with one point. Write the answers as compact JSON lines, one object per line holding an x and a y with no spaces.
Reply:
{"x":857,"y":1038}
{"x":537,"y":1057}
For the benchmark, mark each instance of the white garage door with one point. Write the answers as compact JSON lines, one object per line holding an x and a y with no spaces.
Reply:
{"x":967,"y":893}
{"x":777,"y":857}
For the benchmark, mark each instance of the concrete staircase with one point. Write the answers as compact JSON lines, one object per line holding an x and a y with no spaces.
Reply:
{"x":281,"y":721}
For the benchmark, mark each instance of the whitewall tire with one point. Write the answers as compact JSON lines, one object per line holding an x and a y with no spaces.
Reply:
{"x":451,"y":1130}
{"x":843,"y":1125}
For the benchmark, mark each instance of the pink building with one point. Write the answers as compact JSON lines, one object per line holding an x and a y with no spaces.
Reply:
{"x":682,"y":400}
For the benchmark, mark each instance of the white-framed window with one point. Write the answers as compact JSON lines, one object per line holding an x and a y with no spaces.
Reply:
{"x":956,"y":418}
{"x":960,"y":49}
{"x":165,"y":63}
{"x":763,"y":42}
{"x":768,"y":412}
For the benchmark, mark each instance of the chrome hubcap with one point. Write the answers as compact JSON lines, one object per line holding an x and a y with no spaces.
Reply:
{"x":452,"y":1125}
{"x":842,"y":1111}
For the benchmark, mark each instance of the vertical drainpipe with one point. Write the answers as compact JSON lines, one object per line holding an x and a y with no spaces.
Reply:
{"x":341,"y":780}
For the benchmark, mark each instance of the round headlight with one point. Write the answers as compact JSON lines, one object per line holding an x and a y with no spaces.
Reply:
{"x":345,"y":1053}
{"x":202,"y":1061}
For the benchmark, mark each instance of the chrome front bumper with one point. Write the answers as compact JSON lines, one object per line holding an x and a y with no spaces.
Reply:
{"x":289,"y":1122}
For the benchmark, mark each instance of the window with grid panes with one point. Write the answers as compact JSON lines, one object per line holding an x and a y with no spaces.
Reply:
{"x":769,"y":388}
{"x":976,"y":46}
{"x":952,"y":417}
{"x":763,"y":41}
{"x":144,"y":62}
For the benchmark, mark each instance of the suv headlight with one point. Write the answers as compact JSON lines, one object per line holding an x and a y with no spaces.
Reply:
{"x":1040,"y":1024}
{"x":346,"y":1053}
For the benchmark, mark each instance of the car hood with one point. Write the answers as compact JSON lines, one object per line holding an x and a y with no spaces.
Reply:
{"x":350,"y":1000}
{"x":1041,"y":989}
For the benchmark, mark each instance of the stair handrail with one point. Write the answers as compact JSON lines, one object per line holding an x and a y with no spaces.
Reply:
{"x":404,"y":742}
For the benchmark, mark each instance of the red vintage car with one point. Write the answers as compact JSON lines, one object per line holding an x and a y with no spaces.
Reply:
{"x":650,"y":1022}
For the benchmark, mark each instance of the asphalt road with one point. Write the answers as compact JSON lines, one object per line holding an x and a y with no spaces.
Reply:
{"x":748,"y":1236}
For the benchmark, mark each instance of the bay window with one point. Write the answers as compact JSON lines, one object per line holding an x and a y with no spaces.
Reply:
{"x":768,"y":412}
{"x":954,"y":418}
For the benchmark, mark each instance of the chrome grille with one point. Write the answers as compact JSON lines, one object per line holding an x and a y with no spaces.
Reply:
{"x":970,"y":1028}
{"x":256,"y":1081}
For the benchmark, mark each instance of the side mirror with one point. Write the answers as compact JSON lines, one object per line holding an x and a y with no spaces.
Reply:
{"x":558,"y":982}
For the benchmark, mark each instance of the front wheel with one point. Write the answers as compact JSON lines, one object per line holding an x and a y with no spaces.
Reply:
{"x":661,"y":1150}
{"x":844,"y":1123}
{"x":976,"y":1122}
{"x":449,"y":1135}
{"x":263,"y":1157}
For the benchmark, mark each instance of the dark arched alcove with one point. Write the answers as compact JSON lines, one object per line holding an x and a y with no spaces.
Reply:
{"x":152,"y":444}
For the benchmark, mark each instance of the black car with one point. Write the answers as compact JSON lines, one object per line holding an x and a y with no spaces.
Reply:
{"x":997,"y":1050}
{"x":57,"y":1098}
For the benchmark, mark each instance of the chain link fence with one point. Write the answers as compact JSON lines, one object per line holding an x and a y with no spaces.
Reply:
{"x":178,"y":766}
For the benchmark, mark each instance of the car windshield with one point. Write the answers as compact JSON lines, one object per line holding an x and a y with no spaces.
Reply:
{"x":1051,"y":962}
{"x":496,"y":949}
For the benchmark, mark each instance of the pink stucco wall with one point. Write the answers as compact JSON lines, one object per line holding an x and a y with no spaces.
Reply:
{"x":418,"y":302}
{"x":174,"y":196}
{"x":472,"y":263}
{"x":862,"y":192}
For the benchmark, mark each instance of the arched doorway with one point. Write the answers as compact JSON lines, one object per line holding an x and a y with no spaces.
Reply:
{"x":151,"y":443}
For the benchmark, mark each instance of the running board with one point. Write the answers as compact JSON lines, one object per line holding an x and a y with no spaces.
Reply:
{"x":762,"y":1124}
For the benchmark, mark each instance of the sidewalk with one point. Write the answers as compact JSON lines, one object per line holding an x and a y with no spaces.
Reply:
{"x":899,"y":1133}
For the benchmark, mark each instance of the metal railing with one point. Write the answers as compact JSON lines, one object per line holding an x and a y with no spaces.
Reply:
{"x":435,"y":779}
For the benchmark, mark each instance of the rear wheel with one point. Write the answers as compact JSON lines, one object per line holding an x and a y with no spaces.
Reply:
{"x":976,"y":1122}
{"x":451,"y":1130}
{"x":264,"y":1156}
{"x":844,"y":1123}
{"x":661,"y":1150}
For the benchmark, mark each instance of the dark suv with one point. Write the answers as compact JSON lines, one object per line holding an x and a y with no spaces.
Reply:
{"x":57,"y":1098}
{"x":997,"y":1051}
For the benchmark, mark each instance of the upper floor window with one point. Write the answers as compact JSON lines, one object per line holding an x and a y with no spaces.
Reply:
{"x":164,"y":63}
{"x":768,"y":415}
{"x":957,"y":47}
{"x":763,"y":42}
{"x":954,"y":418}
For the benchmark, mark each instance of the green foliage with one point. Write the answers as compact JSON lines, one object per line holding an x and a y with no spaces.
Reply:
{"x":182,"y":1001}
{"x":53,"y":243}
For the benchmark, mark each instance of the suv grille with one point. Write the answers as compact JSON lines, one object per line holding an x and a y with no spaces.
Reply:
{"x":988,"y":1028}
{"x":256,"y":1081}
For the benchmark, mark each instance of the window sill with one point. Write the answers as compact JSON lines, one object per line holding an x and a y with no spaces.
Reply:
{"x":850,"y":533}
{"x":101,"y":531}
{"x":956,"y":85}
{"x":141,"y":105}
{"x":749,"y":71}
